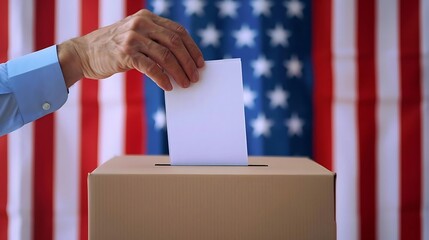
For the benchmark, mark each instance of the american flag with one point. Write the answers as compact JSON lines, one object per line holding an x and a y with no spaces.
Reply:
{"x":345,"y":82}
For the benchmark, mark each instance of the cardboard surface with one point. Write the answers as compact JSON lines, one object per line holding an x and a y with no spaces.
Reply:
{"x":291,"y":198}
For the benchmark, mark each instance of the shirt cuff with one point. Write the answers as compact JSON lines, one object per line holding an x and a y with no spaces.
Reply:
{"x":38,"y":84}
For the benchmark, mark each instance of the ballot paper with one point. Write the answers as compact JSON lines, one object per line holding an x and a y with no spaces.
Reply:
{"x":205,"y":122}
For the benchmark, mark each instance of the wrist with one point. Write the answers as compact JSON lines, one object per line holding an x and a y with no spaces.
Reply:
{"x":70,"y":62}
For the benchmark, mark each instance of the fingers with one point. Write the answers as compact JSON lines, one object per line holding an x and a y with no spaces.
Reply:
{"x":188,"y":42}
{"x":165,"y":58}
{"x":173,"y":42}
{"x":168,"y":45}
{"x":151,"y":69}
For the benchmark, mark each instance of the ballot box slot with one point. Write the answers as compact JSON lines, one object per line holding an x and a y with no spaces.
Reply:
{"x":169,"y":165}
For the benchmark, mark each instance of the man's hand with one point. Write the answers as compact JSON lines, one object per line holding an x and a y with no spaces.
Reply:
{"x":143,"y":41}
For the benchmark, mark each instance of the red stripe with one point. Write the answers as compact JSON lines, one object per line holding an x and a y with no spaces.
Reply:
{"x":89,"y":120}
{"x":4,"y":45}
{"x":43,"y":175}
{"x":3,"y":188}
{"x":366,"y":111}
{"x":135,"y":131}
{"x":4,"y":30}
{"x":323,"y":88}
{"x":410,"y":120}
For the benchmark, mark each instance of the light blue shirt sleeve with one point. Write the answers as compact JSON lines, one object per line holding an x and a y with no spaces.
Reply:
{"x":31,"y":87}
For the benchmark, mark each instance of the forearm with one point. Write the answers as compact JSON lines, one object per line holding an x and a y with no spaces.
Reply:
{"x":31,"y":87}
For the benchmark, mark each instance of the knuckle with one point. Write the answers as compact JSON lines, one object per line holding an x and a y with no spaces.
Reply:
{"x":129,"y":43}
{"x":175,"y":40}
{"x":144,"y":12}
{"x":152,"y":68}
{"x":166,"y":55}
{"x":181,"y":30}
{"x":137,"y":22}
{"x":148,"y":44}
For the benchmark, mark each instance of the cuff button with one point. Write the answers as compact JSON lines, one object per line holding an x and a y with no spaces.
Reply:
{"x":46,"y":106}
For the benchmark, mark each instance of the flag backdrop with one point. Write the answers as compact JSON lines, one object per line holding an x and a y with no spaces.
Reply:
{"x":345,"y":82}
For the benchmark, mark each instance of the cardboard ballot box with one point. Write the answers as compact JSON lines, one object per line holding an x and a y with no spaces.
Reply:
{"x":131,"y":197}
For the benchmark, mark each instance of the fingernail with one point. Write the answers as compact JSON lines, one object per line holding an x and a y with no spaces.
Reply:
{"x":195,"y":76}
{"x":200,"y":62}
{"x":168,"y":87}
{"x":186,"y":84}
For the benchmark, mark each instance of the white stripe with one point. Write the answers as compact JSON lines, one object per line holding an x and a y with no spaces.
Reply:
{"x":20,"y":148}
{"x":112,"y":95}
{"x":387,"y":119}
{"x":21,"y":30}
{"x":112,"y":118}
{"x":111,"y":11}
{"x":20,"y":183}
{"x":66,"y":183}
{"x":424,"y":30}
{"x":67,"y":20}
{"x":344,"y":117}
{"x":67,"y":135}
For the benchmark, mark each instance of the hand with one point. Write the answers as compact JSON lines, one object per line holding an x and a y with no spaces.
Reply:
{"x":144,"y":41}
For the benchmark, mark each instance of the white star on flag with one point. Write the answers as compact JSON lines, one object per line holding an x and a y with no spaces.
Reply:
{"x":279,"y":35}
{"x":261,"y":7}
{"x":278,"y":97}
{"x":209,"y":36}
{"x":245,"y":36}
{"x":228,"y":8}
{"x":249,"y":97}
{"x":261,"y":126}
{"x":194,"y":7}
{"x":262,"y":67}
{"x":293,"y":67}
{"x":294,"y":8}
{"x":294,"y":125}
{"x":161,"y":7}
{"x":159,"y":118}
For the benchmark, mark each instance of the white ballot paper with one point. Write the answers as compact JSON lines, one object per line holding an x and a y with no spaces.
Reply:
{"x":205,"y":122}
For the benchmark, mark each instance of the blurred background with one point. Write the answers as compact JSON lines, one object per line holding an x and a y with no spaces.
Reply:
{"x":344,"y":82}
